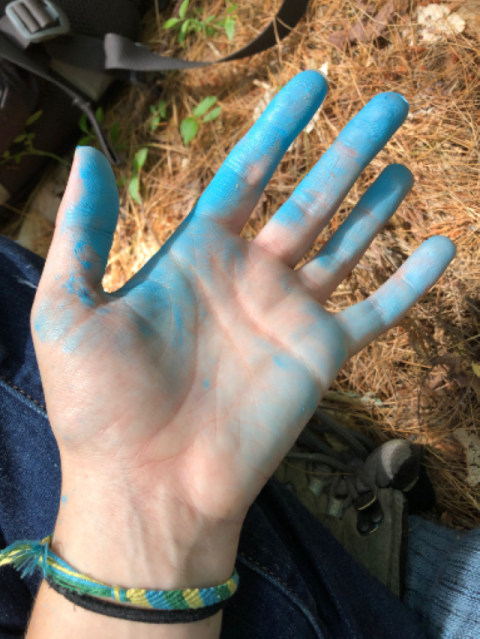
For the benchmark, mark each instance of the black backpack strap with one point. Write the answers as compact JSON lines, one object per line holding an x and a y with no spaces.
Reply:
{"x":121,"y":53}
{"x":117,"y":53}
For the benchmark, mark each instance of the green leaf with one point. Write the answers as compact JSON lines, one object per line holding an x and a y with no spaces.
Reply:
{"x":188,"y":129}
{"x":82,"y":123}
{"x":230,"y":28}
{"x":17,"y":158}
{"x":139,"y":159}
{"x":183,"y":31}
{"x":33,"y":118}
{"x":153,"y":109}
{"x":162,"y":109}
{"x":85,"y":141}
{"x":99,"y":115}
{"x":20,"y":138}
{"x":114,"y":132}
{"x":230,"y":9}
{"x":133,"y":189}
{"x":204,"y":105}
{"x":212,"y":115}
{"x":183,"y":8}
{"x":171,"y":23}
{"x":121,"y":181}
{"x":154,"y":123}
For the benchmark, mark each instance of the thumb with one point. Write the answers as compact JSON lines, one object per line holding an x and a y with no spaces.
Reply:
{"x":85,"y":226}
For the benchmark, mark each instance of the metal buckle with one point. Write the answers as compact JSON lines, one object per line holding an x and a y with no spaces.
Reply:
{"x":37,"y":20}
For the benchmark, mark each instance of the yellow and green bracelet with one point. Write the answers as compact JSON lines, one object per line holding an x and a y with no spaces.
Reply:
{"x":155,"y":606}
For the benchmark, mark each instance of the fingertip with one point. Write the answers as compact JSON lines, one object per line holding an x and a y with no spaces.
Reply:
{"x":89,"y":156}
{"x":441,"y":247}
{"x":392,"y":98}
{"x":315,"y":77}
{"x":296,"y":104}
{"x":391,"y":105}
{"x":93,"y":167}
{"x":400,"y":174}
{"x":309,"y":83}
{"x":428,"y":262}
{"x":403,"y":99}
{"x":375,"y":124}
{"x":86,"y":153}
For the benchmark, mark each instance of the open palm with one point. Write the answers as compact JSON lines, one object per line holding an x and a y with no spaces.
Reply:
{"x":202,"y":370}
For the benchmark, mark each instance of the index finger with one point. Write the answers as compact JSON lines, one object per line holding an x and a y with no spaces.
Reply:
{"x":236,"y":188}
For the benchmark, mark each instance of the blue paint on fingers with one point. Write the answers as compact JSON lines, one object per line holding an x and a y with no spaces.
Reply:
{"x":81,"y":253}
{"x":367,"y":320}
{"x":373,"y":210}
{"x":245,"y":173}
{"x":91,"y":211}
{"x":321,"y":192}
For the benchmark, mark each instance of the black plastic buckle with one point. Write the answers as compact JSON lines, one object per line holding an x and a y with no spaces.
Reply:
{"x":37,"y":20}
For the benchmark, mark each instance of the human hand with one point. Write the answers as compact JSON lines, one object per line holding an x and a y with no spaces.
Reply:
{"x":181,"y":392}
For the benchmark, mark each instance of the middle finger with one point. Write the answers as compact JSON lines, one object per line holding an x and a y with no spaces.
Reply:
{"x":296,"y":225}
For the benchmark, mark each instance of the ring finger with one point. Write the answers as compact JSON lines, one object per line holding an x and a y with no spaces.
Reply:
{"x":329,"y":267}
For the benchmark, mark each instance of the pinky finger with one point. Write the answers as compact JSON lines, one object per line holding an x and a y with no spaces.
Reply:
{"x":366,"y":320}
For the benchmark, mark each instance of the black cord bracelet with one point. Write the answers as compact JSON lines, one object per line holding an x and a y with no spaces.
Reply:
{"x":135,"y":614}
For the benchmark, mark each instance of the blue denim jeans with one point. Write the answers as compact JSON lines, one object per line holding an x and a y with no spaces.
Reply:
{"x":296,"y":580}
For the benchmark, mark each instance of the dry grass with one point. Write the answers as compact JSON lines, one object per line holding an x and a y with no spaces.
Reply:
{"x":409,"y":388}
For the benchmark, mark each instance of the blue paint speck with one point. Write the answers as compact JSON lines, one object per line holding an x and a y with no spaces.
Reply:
{"x":70,"y":285}
{"x":85,"y":297}
{"x":81,"y":250}
{"x":279,"y":361}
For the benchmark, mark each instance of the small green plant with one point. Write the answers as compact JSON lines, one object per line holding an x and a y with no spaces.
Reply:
{"x":26,"y":139}
{"x":134,"y":184}
{"x":209,"y":26}
{"x":90,"y":139}
{"x":189,"y":126}
{"x":159,"y":113}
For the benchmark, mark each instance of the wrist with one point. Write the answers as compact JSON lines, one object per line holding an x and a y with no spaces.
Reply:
{"x":108,"y":535}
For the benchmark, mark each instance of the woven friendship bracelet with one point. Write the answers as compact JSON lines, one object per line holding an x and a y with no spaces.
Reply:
{"x":159,"y":606}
